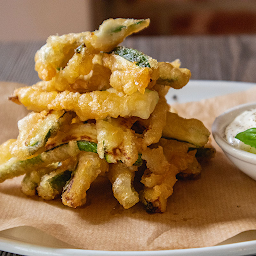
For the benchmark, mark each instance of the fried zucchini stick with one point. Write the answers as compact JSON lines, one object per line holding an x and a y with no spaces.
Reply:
{"x":155,"y":123}
{"x":6,"y":150}
{"x":170,"y":74}
{"x":35,"y":129}
{"x":15,"y":167}
{"x":57,"y":51}
{"x":189,"y":130}
{"x":88,"y":169}
{"x":51,"y":185}
{"x":112,"y":32}
{"x":121,"y":178}
{"x":116,"y":142}
{"x":32,"y":179}
{"x":91,"y":105}
{"x":158,"y":180}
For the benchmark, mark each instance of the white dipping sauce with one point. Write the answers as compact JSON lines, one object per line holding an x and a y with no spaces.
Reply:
{"x":244,"y":121}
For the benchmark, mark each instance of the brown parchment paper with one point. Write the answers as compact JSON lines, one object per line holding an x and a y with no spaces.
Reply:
{"x":200,"y":213}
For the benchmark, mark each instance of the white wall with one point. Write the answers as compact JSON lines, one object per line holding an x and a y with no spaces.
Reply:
{"x":36,"y":20}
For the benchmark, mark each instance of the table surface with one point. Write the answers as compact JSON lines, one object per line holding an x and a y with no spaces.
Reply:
{"x":229,"y":58}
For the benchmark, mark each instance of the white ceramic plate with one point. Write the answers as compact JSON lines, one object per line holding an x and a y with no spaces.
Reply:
{"x":198,"y":90}
{"x":31,"y":242}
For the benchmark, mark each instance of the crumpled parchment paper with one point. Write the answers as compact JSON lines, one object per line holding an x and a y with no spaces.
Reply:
{"x":203,"y":212}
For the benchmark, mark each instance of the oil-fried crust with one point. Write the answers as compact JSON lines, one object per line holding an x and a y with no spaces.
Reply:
{"x":101,"y":110}
{"x":93,"y":105}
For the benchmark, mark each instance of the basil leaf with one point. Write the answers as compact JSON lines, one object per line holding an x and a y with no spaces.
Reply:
{"x":248,"y":137}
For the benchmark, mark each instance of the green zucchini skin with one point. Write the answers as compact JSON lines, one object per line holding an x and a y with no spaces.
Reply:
{"x":139,"y":161}
{"x":119,"y":28}
{"x":58,"y":181}
{"x":132,"y":55}
{"x":52,"y":124}
{"x":15,"y":167}
{"x":32,"y":179}
{"x":88,"y":146}
{"x":92,"y":147}
{"x":32,"y":141}
{"x":52,"y":184}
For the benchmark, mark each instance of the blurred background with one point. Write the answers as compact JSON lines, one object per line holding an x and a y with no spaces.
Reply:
{"x":35,"y":20}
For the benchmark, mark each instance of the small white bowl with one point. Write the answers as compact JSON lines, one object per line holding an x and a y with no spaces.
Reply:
{"x":245,"y":161}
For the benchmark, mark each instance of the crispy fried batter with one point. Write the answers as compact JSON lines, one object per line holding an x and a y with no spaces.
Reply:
{"x":126,"y":76}
{"x":121,"y":178}
{"x":73,"y":132}
{"x":52,"y":183}
{"x":56,"y":53}
{"x":100,"y":109}
{"x":32,"y":179}
{"x":116,"y":142}
{"x":159,"y":180}
{"x":112,"y":32}
{"x":6,"y":150}
{"x":189,"y":130}
{"x":35,"y":129}
{"x":92,"y":105}
{"x":170,"y":74}
{"x":155,"y":123}
{"x":88,"y":169}
{"x":58,"y":50}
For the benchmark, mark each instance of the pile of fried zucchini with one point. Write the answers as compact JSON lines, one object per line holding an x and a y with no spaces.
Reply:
{"x":100,"y":110}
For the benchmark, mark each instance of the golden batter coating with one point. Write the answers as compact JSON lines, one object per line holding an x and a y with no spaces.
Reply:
{"x":100,"y":110}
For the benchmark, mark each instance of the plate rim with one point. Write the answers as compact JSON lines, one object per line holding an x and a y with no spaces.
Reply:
{"x":239,"y":86}
{"x":18,"y":247}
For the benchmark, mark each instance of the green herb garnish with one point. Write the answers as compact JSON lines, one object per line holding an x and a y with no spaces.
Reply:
{"x":248,"y":137}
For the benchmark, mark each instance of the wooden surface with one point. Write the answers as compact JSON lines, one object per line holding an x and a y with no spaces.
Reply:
{"x":230,"y":58}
